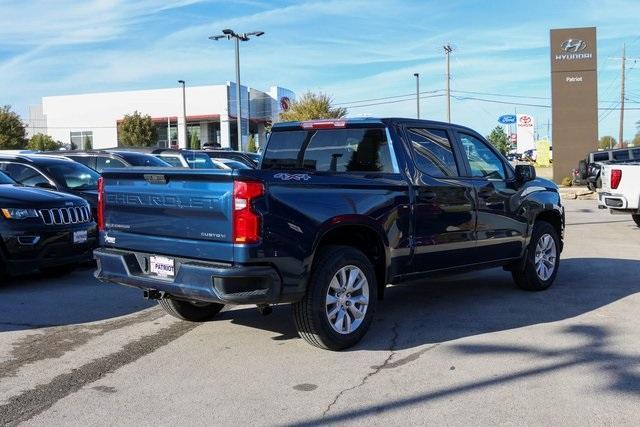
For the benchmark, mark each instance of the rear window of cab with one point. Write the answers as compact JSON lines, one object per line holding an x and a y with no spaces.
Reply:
{"x":330,"y":150}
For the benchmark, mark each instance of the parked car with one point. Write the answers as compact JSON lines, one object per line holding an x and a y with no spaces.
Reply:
{"x":102,"y":159}
{"x":620,"y":190}
{"x":42,"y":229}
{"x":53,"y":173}
{"x":589,"y":169}
{"x":229,"y":164}
{"x":249,"y":159}
{"x":337,"y":210}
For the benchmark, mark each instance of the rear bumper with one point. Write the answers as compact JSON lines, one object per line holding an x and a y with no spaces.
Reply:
{"x":617,"y":201}
{"x":194,"y":280}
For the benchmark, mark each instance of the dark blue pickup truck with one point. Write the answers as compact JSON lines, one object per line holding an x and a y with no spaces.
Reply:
{"x":336,"y":210}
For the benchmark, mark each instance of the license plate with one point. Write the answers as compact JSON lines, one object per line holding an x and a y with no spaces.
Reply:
{"x":80,"y":236}
{"x":162,"y":266}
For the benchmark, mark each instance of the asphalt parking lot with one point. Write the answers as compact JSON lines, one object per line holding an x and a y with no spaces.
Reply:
{"x":458,"y":350}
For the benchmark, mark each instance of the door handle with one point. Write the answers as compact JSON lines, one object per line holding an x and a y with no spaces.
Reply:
{"x":485,"y":192}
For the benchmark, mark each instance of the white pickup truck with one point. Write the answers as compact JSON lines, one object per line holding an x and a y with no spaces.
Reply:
{"x":620,"y":191}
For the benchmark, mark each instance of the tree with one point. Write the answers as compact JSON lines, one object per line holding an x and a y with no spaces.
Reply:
{"x":498,"y":138}
{"x":312,"y":106}
{"x":42,"y":142}
{"x":137,"y":130}
{"x":606,"y":142}
{"x":635,"y":142}
{"x":12,"y":130}
{"x":88,"y":145}
{"x":194,"y":144}
{"x":251,"y":144}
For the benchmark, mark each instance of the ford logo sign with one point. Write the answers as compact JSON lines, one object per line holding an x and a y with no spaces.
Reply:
{"x":507,"y":119}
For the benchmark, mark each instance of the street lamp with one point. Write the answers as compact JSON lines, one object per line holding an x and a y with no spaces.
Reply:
{"x":184,"y":113}
{"x":417,"y":76}
{"x":230,"y":34}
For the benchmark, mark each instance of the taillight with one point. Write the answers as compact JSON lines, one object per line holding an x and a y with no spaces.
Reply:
{"x":100,"y":204}
{"x":246,"y":223}
{"x":616,"y":176}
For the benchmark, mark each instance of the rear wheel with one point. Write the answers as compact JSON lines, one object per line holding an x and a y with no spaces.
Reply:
{"x":340,"y":302}
{"x":542,"y":261}
{"x":636,"y":218}
{"x":191,"y":311}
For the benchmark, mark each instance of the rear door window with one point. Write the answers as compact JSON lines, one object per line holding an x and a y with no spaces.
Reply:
{"x":24,"y":174}
{"x":330,"y":150}
{"x":433,"y":152}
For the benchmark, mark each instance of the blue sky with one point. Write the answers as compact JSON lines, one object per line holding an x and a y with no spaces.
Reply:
{"x":351,"y":49}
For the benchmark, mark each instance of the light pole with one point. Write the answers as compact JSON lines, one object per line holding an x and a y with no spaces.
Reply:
{"x":184,"y":113}
{"x":230,"y":34}
{"x":447,"y":50}
{"x":417,"y":76}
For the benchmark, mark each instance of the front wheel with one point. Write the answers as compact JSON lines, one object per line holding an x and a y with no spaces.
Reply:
{"x":636,"y":218}
{"x":340,"y":302}
{"x":542,"y":259}
{"x":191,"y":311}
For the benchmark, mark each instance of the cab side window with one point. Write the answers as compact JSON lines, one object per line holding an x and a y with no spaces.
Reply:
{"x":483,"y":161}
{"x":433,"y":152}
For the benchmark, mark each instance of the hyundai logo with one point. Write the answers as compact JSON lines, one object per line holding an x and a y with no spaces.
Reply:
{"x":573,"y":45}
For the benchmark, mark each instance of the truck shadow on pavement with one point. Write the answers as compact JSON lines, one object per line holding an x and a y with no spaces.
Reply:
{"x":447,"y":308}
{"x":37,"y":301}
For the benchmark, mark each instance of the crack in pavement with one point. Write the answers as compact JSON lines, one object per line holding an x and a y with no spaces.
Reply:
{"x":387,"y":364}
{"x":57,"y":341}
{"x":32,"y":402}
{"x":375,"y":370}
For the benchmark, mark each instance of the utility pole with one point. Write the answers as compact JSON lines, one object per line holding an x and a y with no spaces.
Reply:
{"x":447,"y":50}
{"x":621,"y":134}
{"x":238,"y":37}
{"x":417,"y":76}
{"x":184,"y":113}
{"x":622,"y":93}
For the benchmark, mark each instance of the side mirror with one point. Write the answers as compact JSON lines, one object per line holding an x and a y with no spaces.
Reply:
{"x":525,"y":173}
{"x":46,"y":186}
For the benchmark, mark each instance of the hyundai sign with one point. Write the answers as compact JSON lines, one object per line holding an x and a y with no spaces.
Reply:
{"x":507,"y":119}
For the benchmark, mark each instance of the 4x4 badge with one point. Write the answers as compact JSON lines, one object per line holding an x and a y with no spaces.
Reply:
{"x":292,"y":176}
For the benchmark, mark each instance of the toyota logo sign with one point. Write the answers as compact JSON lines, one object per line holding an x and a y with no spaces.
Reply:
{"x":525,"y":120}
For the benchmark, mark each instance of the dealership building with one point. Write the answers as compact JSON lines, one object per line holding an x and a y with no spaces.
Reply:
{"x":91,"y":120}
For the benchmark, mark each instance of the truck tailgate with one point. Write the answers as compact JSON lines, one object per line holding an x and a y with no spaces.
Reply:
{"x":172,"y":211}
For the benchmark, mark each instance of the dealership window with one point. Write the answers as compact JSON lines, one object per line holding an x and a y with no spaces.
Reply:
{"x":433,"y":152}
{"x":82,"y":140}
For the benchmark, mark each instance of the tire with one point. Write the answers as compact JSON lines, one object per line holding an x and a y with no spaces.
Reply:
{"x":636,"y":218}
{"x":191,"y":312}
{"x":582,"y":169}
{"x":313,"y":313}
{"x":528,"y":277}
